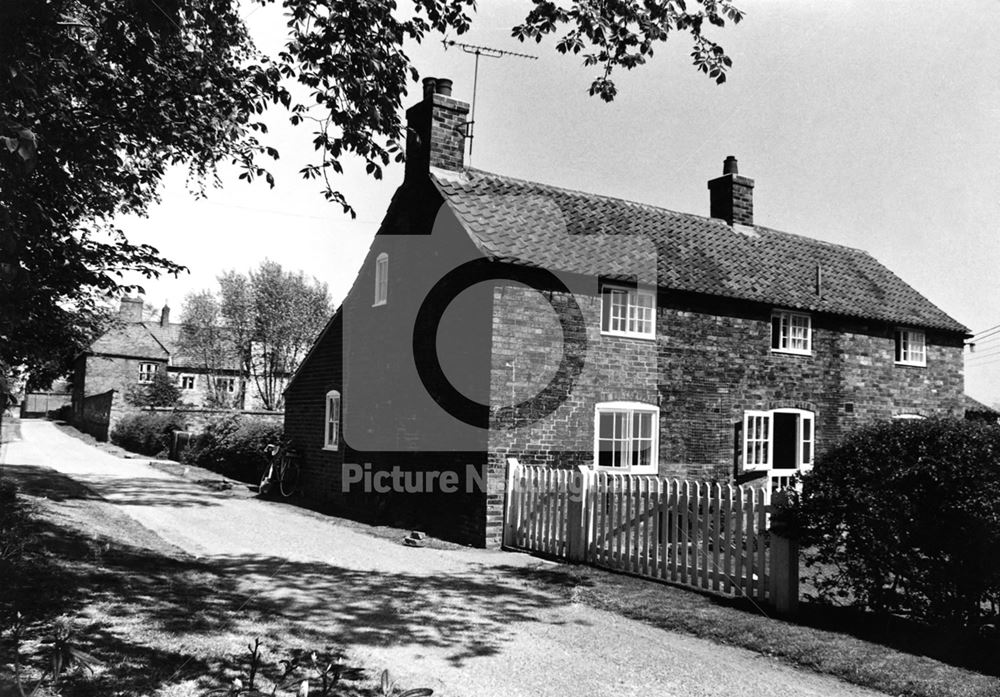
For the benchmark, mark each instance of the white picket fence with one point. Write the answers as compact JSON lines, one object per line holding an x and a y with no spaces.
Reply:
{"x":708,"y":536}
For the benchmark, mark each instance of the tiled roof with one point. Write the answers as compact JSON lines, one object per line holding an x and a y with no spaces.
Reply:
{"x":148,"y":340}
{"x":540,"y":225}
{"x":132,"y":339}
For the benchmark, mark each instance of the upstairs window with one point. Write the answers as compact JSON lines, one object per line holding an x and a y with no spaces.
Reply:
{"x":628,"y":312}
{"x":791,"y":332}
{"x":381,"y":279}
{"x":911,"y":347}
{"x":187,"y":382}
{"x":331,"y":434}
{"x":627,"y":437}
{"x":146,"y":372}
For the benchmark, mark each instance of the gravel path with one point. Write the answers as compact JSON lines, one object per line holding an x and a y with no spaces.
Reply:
{"x":462,"y":621}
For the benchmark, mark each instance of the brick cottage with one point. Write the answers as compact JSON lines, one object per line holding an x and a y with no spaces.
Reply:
{"x":498,"y":318}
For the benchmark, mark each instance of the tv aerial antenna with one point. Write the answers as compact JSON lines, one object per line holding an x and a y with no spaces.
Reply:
{"x":485,"y":52}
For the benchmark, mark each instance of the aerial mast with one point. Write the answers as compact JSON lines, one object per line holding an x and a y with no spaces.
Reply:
{"x":486,"y":52}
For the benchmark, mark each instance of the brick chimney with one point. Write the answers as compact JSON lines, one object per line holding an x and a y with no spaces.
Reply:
{"x":732,"y":195}
{"x":130,"y":310}
{"x":435,"y":130}
{"x":165,"y":315}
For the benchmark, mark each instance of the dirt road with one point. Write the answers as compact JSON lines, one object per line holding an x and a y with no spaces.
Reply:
{"x":462,"y":621}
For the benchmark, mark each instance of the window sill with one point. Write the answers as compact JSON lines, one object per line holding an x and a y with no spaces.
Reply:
{"x":384,"y":302}
{"x":642,"y":471}
{"x":628,"y":335}
{"x":792,"y":352}
{"x":331,"y":448}
{"x":911,"y":364}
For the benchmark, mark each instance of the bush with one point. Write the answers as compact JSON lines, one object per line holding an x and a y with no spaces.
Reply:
{"x":147,"y":433}
{"x":234,"y":446}
{"x":904,"y":518}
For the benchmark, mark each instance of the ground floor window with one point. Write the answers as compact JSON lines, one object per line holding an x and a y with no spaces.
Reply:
{"x":626,"y":437}
{"x":187,"y":382}
{"x":780,"y":439}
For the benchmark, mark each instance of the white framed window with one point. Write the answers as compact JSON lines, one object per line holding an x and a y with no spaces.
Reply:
{"x":187,"y":382}
{"x":911,"y":347}
{"x":146,"y":372}
{"x":628,"y":312}
{"x":331,"y":433}
{"x":791,"y":332}
{"x":223,"y":384}
{"x":780,"y":439}
{"x":381,"y":279}
{"x":626,"y":437}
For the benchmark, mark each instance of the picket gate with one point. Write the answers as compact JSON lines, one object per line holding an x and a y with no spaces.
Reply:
{"x":709,"y":536}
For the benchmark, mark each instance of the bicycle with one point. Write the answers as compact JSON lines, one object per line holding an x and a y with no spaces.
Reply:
{"x":282,"y":469}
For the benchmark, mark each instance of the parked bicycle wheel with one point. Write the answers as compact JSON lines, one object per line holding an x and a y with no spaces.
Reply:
{"x":266,"y":481}
{"x":289,"y":478}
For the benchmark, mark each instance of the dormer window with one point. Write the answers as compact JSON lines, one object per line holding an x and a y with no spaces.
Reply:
{"x":381,"y":279}
{"x":911,"y":347}
{"x":628,"y":312}
{"x":791,"y":332}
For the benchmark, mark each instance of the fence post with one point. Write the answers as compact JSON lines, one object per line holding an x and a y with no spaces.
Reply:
{"x":784,"y":573}
{"x":510,"y":508}
{"x":578,"y":518}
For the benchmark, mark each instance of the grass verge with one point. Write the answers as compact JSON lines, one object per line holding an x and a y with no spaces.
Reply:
{"x":886,"y":655}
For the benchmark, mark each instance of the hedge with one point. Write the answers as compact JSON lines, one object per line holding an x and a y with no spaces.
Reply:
{"x":234,"y":446}
{"x":146,"y":433}
{"x":904,"y":518}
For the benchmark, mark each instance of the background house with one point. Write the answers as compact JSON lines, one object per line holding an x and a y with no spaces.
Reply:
{"x":127,"y":357}
{"x":497,"y":318}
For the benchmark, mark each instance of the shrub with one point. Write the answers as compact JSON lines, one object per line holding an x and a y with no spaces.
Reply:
{"x":234,"y":446}
{"x":147,"y":433}
{"x":904,"y":517}
{"x":161,"y":392}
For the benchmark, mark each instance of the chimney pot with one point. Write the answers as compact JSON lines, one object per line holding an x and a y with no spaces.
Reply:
{"x":165,"y":315}
{"x":443,"y":87}
{"x":430,"y":84}
{"x":730,"y":166}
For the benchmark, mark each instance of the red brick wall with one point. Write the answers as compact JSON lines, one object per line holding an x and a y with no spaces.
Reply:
{"x":710,"y":362}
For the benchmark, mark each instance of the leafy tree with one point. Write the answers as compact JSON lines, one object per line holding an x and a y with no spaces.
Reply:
{"x":99,"y":97}
{"x":237,"y":308}
{"x":208,"y":343}
{"x":263,"y":321}
{"x":287,"y":313}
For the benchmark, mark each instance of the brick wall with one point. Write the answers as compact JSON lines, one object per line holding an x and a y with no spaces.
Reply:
{"x":711,"y":361}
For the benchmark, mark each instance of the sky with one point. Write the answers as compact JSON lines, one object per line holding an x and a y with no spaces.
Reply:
{"x":869,"y":124}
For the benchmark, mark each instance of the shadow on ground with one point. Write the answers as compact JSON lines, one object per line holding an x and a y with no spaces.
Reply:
{"x":152,"y":612}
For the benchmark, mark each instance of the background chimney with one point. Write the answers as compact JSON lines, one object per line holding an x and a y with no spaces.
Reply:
{"x":165,"y":315}
{"x":732,"y":195}
{"x":130,"y":310}
{"x":435,"y":130}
